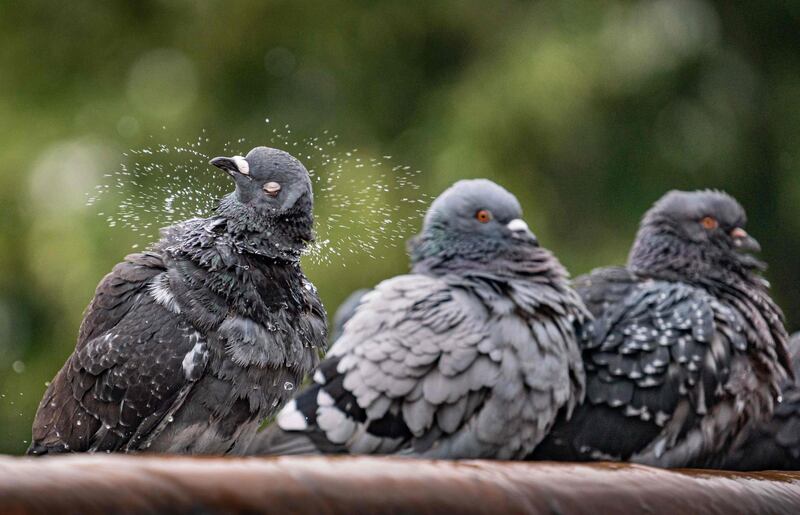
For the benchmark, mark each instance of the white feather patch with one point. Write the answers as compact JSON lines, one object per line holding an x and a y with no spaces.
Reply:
{"x":159,"y":289}
{"x":337,"y":426}
{"x":290,"y":419}
{"x":189,"y":360}
{"x":242,"y":164}
{"x":319,"y":377}
{"x":324,"y":398}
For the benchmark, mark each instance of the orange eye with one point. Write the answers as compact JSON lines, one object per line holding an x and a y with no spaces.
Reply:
{"x":709,"y":223}
{"x":483,"y":216}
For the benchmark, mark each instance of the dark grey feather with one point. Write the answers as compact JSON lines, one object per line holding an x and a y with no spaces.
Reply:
{"x":189,"y":346}
{"x":687,"y":348}
{"x":773,"y":444}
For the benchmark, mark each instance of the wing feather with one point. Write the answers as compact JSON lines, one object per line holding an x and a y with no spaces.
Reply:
{"x":408,"y":364}
{"x":127,"y":371}
{"x":657,"y":359}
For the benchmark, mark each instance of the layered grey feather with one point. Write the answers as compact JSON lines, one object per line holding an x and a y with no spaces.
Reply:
{"x":458,"y":360}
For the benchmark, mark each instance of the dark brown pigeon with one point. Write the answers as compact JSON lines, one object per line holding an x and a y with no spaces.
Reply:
{"x":188,"y":347}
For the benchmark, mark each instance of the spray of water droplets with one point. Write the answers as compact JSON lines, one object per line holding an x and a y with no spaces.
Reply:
{"x":362,"y":202}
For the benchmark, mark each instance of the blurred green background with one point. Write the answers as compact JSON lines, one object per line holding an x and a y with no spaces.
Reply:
{"x":588,"y":111}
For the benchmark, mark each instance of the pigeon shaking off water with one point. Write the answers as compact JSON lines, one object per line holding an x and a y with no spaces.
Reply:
{"x":688,"y":349}
{"x":188,"y":347}
{"x":471,"y":355}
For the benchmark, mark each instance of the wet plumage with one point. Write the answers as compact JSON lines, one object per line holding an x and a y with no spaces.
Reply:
{"x":774,"y":444}
{"x":687,"y":349}
{"x":187,"y":347}
{"x":471,"y":355}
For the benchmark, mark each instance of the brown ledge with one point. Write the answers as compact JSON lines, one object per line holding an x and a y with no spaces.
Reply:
{"x":89,"y":484}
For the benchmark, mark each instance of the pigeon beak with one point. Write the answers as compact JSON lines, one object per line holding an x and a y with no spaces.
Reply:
{"x":236,"y":166}
{"x":520,"y":231}
{"x":744,"y":242}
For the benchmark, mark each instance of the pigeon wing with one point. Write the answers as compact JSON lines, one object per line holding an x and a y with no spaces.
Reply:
{"x":773,"y":444}
{"x":135,"y":360}
{"x":604,"y":287}
{"x":412,"y":364}
{"x":659,"y":355}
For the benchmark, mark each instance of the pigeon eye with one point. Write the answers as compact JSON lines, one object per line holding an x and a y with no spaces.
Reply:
{"x":483,"y":216}
{"x":272,"y":189}
{"x":709,"y":223}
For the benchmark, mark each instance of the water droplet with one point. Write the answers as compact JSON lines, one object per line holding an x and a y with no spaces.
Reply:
{"x":148,"y":192}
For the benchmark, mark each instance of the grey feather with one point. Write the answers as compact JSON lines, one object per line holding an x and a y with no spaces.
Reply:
{"x":472,"y":355}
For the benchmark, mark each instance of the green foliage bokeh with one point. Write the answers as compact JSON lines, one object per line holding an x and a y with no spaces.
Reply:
{"x":588,"y":111}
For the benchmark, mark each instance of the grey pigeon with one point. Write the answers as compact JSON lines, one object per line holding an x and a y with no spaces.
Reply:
{"x":189,"y":346}
{"x":687,"y":347}
{"x":775,"y":444}
{"x":471,"y":355}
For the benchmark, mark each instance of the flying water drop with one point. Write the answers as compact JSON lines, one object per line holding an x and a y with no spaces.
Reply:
{"x":362,"y":202}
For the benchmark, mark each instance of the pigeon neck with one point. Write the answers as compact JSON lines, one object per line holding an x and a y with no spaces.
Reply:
{"x":436,"y":252}
{"x":530,"y":276}
{"x":663,"y":255}
{"x":486,"y":259}
{"x":284,"y":236}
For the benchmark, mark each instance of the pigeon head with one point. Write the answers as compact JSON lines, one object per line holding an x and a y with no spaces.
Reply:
{"x":268,"y":180}
{"x":273,"y":193}
{"x":694,"y":232}
{"x":473,"y":219}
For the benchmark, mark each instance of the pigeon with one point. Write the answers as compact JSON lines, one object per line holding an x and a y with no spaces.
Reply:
{"x":773,"y":445}
{"x":687,"y":348}
{"x":189,"y":346}
{"x":471,"y":355}
{"x":345,"y":312}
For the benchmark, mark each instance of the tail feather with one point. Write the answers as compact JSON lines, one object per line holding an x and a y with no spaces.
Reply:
{"x":274,"y":441}
{"x":40,"y":449}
